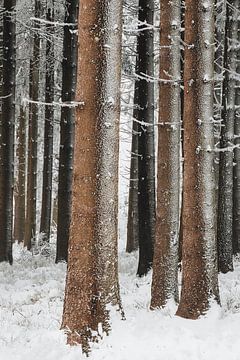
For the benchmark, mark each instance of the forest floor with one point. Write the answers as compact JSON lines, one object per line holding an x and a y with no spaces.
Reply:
{"x":31,"y":300}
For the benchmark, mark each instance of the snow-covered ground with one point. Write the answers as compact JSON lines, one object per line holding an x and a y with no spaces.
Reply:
{"x":31,"y":299}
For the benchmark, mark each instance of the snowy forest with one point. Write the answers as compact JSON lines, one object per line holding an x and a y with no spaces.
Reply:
{"x":119,"y":179}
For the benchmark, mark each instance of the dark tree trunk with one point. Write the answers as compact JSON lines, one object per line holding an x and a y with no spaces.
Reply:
{"x":45,"y":226}
{"x":7,"y":131}
{"x":236,"y":169}
{"x":30,"y":227}
{"x":144,"y":116}
{"x":225,"y":195}
{"x":20,"y":209}
{"x":69,"y":69}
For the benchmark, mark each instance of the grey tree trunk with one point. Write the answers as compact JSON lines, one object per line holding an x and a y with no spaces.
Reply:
{"x":199,"y":283}
{"x":45,"y":226}
{"x":7,"y":131}
{"x":30,"y":227}
{"x":225,"y":196}
{"x":20,"y":208}
{"x":69,"y":73}
{"x":165,"y":263}
{"x":236,"y":169}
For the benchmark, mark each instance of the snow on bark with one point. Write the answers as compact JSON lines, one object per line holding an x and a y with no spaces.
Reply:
{"x":225,"y":196}
{"x":199,"y":240}
{"x":165,"y":285}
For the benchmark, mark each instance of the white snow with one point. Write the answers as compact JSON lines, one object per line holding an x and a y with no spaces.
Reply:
{"x":31,"y":299}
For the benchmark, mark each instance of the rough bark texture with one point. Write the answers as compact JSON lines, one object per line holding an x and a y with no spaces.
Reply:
{"x":92,"y":280}
{"x":45,"y":226}
{"x":20,"y":209}
{"x":144,"y":116}
{"x":7,"y":131}
{"x":165,"y":264}
{"x":199,"y":285}
{"x":69,"y":73}
{"x":225,"y":196}
{"x":236,"y":169}
{"x":30,"y":227}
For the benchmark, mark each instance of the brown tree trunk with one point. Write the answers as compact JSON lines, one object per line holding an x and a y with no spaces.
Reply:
{"x":19,"y":216}
{"x":92,"y":280}
{"x":165,"y":263}
{"x":199,"y":283}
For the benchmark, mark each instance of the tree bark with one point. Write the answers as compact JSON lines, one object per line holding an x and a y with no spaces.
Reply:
{"x":165,"y":264}
{"x":92,"y":280}
{"x":236,"y":169}
{"x":144,"y":117}
{"x":45,"y":226}
{"x":199,"y":283}
{"x":225,"y":196}
{"x":30,"y":226}
{"x":20,"y":209}
{"x":69,"y":73}
{"x":7,"y":131}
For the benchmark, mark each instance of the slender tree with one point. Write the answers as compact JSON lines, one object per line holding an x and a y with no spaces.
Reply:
{"x":20,"y":208}
{"x":225,"y":197}
{"x":30,"y":227}
{"x":7,"y":131}
{"x":236,"y":169}
{"x":45,"y":226}
{"x":199,"y":240}
{"x":141,"y":216}
{"x":69,"y":72}
{"x":165,"y":265}
{"x":92,"y":280}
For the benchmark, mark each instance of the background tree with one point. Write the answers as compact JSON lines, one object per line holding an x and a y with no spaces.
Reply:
{"x":45,"y":226}
{"x":199,"y":240}
{"x":30,"y":225}
{"x":7,"y":131}
{"x":165,"y":265}
{"x":225,"y":196}
{"x":69,"y":72}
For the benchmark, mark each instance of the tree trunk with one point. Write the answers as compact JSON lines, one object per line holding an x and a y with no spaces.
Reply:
{"x":69,"y":72}
{"x":236,"y":169}
{"x":19,"y":216}
{"x":30,"y":227}
{"x":45,"y":226}
{"x":165,"y":264}
{"x":225,"y":196}
{"x":144,"y":116}
{"x":92,"y":280}
{"x":199,"y":285}
{"x":7,"y":131}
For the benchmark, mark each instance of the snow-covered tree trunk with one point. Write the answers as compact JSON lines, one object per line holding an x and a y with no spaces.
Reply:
{"x":236,"y":169}
{"x":69,"y":74}
{"x":92,"y":279}
{"x":200,"y":284}
{"x":30,"y":225}
{"x":165,"y":263}
{"x":225,"y":194}
{"x":20,"y":209}
{"x":45,"y":225}
{"x":7,"y":131}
